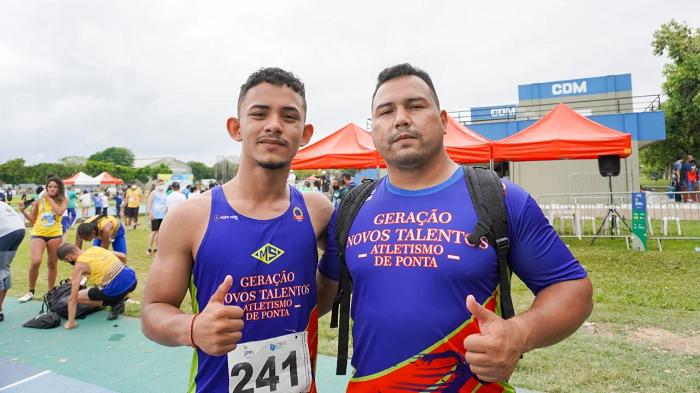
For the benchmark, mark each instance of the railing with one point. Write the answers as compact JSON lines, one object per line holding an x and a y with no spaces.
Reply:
{"x":606,"y":106}
{"x":608,"y":215}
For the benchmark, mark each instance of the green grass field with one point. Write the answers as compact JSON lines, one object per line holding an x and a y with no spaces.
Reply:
{"x":643,"y":335}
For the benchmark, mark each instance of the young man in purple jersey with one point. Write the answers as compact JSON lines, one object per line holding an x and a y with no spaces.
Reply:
{"x":426,"y":306}
{"x":251,"y":266}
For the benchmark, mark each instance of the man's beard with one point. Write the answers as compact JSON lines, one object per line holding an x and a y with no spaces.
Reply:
{"x":272,"y":165}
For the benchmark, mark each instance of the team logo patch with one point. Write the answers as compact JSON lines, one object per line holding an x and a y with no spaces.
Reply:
{"x":216,"y":218}
{"x":298,"y":214}
{"x":268,"y":253}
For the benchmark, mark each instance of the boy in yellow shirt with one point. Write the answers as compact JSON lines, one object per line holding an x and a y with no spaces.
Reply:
{"x":131,"y":204}
{"x":113,"y":280}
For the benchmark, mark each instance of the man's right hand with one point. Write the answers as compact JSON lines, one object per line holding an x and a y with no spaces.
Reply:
{"x":217,"y":329}
{"x":151,"y":216}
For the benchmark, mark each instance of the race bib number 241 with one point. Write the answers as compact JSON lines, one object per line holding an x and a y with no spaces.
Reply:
{"x":279,"y":364}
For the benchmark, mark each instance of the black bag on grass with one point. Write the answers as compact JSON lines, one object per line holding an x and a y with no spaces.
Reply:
{"x":48,"y":320}
{"x":56,"y":300}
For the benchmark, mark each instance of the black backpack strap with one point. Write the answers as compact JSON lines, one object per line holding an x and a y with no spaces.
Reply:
{"x":488,"y":198}
{"x":340,"y":315}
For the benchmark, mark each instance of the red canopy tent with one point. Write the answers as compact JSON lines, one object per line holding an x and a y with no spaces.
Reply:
{"x":465,"y":146}
{"x":563,"y":134}
{"x":106,"y":178}
{"x":349,"y":147}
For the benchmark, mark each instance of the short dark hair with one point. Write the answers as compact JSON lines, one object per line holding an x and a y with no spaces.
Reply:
{"x":347,"y":175}
{"x":175,"y":185}
{"x":65,"y":249}
{"x":133,"y":182}
{"x":679,"y":157}
{"x":275,"y":76}
{"x":405,"y":69}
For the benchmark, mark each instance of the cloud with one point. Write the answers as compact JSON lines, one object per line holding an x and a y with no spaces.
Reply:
{"x":161,"y":78}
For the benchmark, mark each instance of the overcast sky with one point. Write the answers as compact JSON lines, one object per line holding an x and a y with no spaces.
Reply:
{"x":161,"y":78}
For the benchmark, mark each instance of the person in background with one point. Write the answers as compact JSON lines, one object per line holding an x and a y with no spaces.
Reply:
{"x":292,"y":179}
{"x":71,"y":217}
{"x":306,"y":186}
{"x":676,"y":175}
{"x":169,"y":190}
{"x":187,"y":191}
{"x":24,"y":196}
{"x":131,"y":204}
{"x":3,"y":198}
{"x":195,"y":192}
{"x":85,"y":203}
{"x":118,"y":202}
{"x":339,"y":191}
{"x":107,"y":270}
{"x":11,"y":236}
{"x":156,"y":212}
{"x":97,"y":200}
{"x":102,"y":231}
{"x":46,"y":214}
{"x":175,"y":198}
{"x":317,"y":185}
{"x":104,"y":198}
{"x":325,"y":183}
{"x":347,"y":181}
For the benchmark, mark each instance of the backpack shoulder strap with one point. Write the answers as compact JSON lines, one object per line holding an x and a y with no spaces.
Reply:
{"x":340,"y":314}
{"x":488,"y":198}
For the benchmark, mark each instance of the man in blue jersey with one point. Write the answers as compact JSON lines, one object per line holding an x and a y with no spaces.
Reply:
{"x":250,"y":266}
{"x":420,"y":285}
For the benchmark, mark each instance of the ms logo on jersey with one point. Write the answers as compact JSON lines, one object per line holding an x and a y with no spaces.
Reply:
{"x":268,"y":253}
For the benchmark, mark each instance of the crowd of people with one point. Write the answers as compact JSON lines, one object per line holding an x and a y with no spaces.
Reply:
{"x":685,"y":178}
{"x":51,"y":212}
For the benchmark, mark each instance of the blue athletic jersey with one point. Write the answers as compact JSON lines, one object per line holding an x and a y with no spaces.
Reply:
{"x":412,"y":269}
{"x":158,"y":205}
{"x":273,"y":265}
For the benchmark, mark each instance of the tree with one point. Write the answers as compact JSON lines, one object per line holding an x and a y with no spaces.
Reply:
{"x":200,"y":170}
{"x":160,"y":169}
{"x":73,"y":161}
{"x":94,"y":168}
{"x":13,"y":171}
{"x":682,"y":87}
{"x":115,"y":155}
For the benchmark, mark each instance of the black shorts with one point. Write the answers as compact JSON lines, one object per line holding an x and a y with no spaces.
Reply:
{"x":131,"y":212}
{"x":95,"y":293}
{"x":155,"y":224}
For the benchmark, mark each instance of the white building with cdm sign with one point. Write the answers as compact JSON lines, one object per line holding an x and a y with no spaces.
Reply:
{"x":175,"y":165}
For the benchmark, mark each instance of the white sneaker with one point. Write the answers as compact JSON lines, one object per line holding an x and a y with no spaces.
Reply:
{"x":27,"y":297}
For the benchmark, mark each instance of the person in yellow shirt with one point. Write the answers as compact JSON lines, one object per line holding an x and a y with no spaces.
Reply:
{"x":113,"y":280}
{"x":102,"y":231}
{"x":47,"y":212}
{"x":131,"y":204}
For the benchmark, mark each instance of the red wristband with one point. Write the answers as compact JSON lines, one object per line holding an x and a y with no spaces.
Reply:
{"x":192,"y":331}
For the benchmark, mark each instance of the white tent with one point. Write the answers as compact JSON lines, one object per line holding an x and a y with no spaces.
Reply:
{"x":81,"y":179}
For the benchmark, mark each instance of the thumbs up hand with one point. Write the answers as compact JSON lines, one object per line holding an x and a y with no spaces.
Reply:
{"x":217,"y":329}
{"x":493,"y":353}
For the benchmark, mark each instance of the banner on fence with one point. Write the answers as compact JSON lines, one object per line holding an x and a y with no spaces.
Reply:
{"x":639,"y":221}
{"x":184,"y":180}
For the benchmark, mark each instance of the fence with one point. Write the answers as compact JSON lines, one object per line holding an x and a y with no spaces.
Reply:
{"x":609,"y":215}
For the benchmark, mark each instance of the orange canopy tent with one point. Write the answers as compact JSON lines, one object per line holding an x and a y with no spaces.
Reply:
{"x":465,"y":146}
{"x":106,"y":178}
{"x":562,"y":134}
{"x":349,"y":147}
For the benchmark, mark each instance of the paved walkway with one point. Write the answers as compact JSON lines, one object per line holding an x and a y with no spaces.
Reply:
{"x":101,"y":356}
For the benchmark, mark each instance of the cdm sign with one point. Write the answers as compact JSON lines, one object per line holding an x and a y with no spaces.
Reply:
{"x":565,"y":88}
{"x":503,"y":112}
